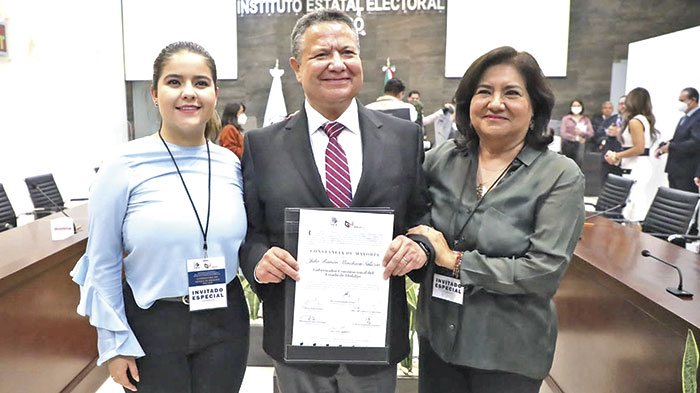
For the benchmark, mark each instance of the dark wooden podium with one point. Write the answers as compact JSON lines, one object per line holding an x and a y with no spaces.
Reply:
{"x":45,"y":346}
{"x":619,"y":330}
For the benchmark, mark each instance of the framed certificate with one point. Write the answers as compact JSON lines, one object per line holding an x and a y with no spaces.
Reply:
{"x":339,"y":310}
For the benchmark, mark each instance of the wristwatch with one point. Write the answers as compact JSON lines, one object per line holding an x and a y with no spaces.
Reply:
{"x":425,"y":250}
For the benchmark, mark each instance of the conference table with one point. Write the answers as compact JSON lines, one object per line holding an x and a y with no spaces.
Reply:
{"x":619,"y":329}
{"x":45,"y":346}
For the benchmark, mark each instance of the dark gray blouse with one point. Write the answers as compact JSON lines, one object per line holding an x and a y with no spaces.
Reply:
{"x":516,"y":246}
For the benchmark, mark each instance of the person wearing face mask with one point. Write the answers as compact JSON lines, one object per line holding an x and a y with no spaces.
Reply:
{"x":683,"y":150}
{"x":576,"y":128}
{"x":232,"y":136}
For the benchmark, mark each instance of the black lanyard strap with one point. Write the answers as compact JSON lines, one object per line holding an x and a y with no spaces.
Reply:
{"x":478,"y":203}
{"x":205,"y":230}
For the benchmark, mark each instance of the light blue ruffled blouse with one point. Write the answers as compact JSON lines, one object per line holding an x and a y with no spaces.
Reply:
{"x":139,"y":207}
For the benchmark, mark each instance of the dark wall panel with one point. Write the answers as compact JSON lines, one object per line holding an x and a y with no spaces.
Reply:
{"x":600,"y":31}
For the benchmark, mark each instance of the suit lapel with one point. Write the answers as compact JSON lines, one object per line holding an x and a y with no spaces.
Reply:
{"x":299,"y":148}
{"x":373,"y":141}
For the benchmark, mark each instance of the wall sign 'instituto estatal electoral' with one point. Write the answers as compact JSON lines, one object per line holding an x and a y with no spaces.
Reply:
{"x":356,"y":7}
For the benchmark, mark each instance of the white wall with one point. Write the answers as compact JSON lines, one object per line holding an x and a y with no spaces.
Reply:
{"x":618,"y":76}
{"x":664,"y":65}
{"x":475,"y":27}
{"x":151,"y":25}
{"x":63,"y":95}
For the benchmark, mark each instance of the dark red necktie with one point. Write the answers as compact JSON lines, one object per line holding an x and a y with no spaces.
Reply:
{"x":337,"y":171}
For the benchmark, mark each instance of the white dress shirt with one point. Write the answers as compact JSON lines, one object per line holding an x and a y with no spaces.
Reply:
{"x":350,"y":139}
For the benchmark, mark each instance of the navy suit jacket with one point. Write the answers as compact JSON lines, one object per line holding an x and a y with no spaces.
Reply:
{"x":279,"y":171}
{"x":684,"y":149}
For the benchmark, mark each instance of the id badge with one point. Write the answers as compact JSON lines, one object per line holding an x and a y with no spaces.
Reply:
{"x":207,"y":283}
{"x":447,"y":288}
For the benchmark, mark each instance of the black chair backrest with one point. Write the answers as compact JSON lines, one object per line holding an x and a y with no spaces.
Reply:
{"x":41,"y":188}
{"x":671,"y":212}
{"x":615,"y":192}
{"x":7,"y":213}
{"x":401,"y":113}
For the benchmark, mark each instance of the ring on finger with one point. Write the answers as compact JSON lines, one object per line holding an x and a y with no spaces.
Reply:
{"x":404,"y":259}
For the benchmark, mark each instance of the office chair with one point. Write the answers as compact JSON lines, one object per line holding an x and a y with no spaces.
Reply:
{"x":615,"y":192}
{"x":7,"y":213}
{"x":401,"y":113}
{"x":671,"y":214}
{"x":45,"y":195}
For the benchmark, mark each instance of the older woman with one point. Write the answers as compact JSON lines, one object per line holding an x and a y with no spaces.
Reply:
{"x":506,"y":216}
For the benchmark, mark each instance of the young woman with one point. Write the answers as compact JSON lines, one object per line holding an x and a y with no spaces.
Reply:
{"x":637,"y":137}
{"x":161,"y":211}
{"x":231,"y":136}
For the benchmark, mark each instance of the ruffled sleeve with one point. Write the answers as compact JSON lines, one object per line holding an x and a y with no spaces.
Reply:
{"x":99,"y":271}
{"x":114,"y":336}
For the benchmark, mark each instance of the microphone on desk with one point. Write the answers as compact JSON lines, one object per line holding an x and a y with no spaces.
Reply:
{"x":59,"y":208}
{"x":676,"y":291}
{"x":608,"y":210}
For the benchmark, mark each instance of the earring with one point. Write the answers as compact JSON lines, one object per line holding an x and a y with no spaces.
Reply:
{"x":532,"y":124}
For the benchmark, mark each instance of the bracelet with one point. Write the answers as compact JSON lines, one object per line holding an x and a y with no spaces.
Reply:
{"x":458,"y":263}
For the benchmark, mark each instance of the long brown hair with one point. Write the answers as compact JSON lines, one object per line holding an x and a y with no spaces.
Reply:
{"x":638,"y":102}
{"x":213,"y":127}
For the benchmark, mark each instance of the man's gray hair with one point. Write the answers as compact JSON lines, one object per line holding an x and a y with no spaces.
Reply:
{"x":315,"y":17}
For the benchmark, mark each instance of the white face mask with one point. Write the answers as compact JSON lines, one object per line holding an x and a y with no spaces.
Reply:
{"x":682,"y":106}
{"x":242,"y":119}
{"x":576,"y":110}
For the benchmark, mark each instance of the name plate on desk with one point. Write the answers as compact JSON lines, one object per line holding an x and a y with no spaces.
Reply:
{"x":62,"y":228}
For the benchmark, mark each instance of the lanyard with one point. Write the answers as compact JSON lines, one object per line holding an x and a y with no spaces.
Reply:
{"x":204,"y":230}
{"x":478,"y":203}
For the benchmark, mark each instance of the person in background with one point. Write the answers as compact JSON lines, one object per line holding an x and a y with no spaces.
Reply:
{"x":413,"y":95}
{"x":601,"y":123}
{"x":391,"y":100}
{"x":443,"y":119}
{"x":576,"y":128}
{"x":506,"y":215}
{"x":414,"y":99}
{"x":611,"y":142}
{"x":684,"y":149}
{"x":638,"y":136}
{"x":232,"y":134}
{"x":161,"y":208}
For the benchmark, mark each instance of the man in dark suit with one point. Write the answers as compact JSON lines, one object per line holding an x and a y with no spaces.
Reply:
{"x":684,"y":149}
{"x":611,"y":129}
{"x":295,"y":163}
{"x":601,"y":123}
